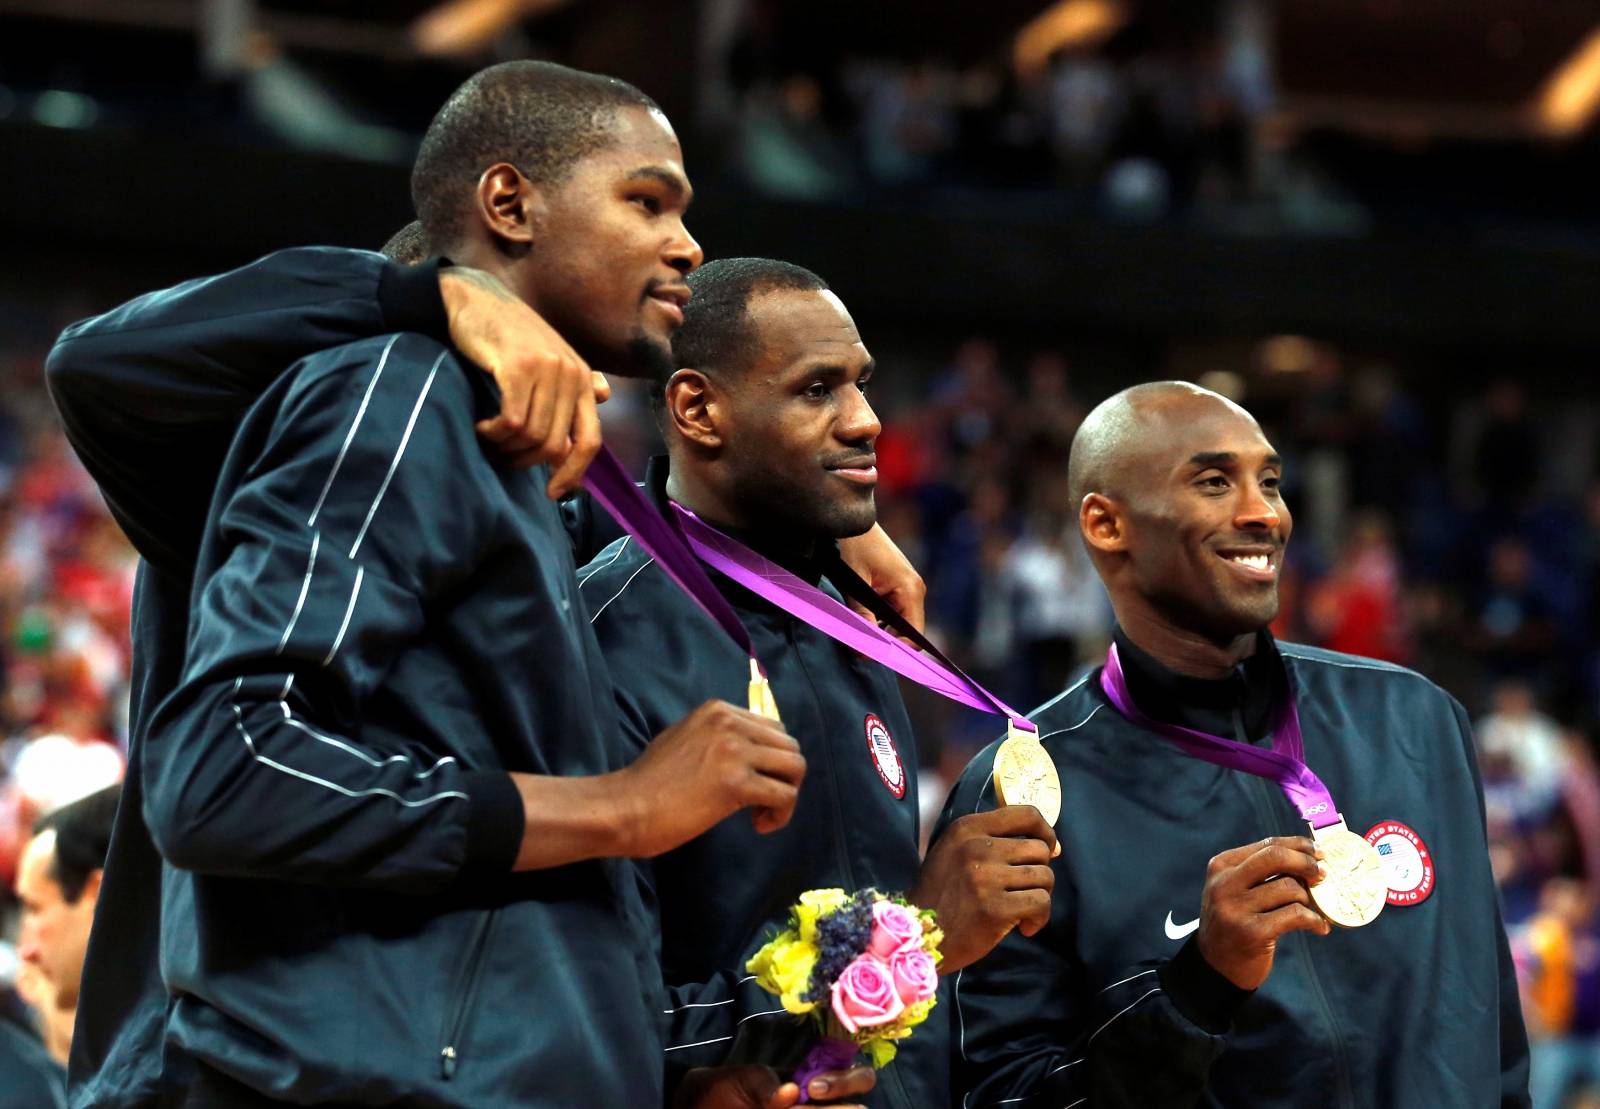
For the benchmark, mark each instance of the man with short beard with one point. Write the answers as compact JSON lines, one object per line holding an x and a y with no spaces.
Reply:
{"x":770,"y":438}
{"x":388,"y":786}
{"x":1188,"y":959}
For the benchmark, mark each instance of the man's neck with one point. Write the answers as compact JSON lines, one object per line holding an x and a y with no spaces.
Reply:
{"x":723,"y":513}
{"x":1183,"y":651}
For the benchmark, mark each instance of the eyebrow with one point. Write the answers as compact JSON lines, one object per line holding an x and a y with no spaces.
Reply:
{"x":1225,"y":458}
{"x":832,"y":368}
{"x":666,"y":178}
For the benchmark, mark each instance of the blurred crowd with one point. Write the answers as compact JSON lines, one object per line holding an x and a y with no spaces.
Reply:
{"x":1136,"y":123}
{"x":1457,"y":532}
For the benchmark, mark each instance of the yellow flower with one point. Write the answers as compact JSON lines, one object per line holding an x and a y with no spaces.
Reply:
{"x":814,"y":904}
{"x":881,"y":1052}
{"x":791,"y":973}
{"x":760,"y":963}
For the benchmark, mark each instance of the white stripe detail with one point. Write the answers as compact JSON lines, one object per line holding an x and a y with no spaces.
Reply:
{"x":305,"y":587}
{"x":1067,"y":692}
{"x":1080,"y":1101}
{"x":351,"y":434}
{"x":708,"y":1004}
{"x":416,"y":410}
{"x":1125,"y":981}
{"x":340,"y":744}
{"x":1062,"y":1067}
{"x":1107,"y":1024}
{"x":349,"y":611}
{"x":720,"y":1039}
{"x":283,"y":694}
{"x":619,"y":592}
{"x":701,"y":1043}
{"x":1378,"y":668}
{"x":250,"y":743}
{"x":1075,"y":727}
{"x":625,"y":540}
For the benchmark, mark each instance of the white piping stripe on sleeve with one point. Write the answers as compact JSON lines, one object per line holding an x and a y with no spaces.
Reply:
{"x":619,"y":592}
{"x":340,"y":744}
{"x":1062,"y":1067}
{"x":708,"y":1004}
{"x":249,"y":743}
{"x":701,"y":1043}
{"x":1108,"y":1023}
{"x":624,"y":546}
{"x":351,"y":434}
{"x":283,"y":694}
{"x":349,"y":611}
{"x":416,"y":410}
{"x":1126,"y":980}
{"x":720,"y":1039}
{"x":305,"y":587}
{"x":1080,"y":1101}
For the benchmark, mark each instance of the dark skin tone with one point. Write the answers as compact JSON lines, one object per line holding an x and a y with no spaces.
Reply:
{"x":601,"y":256}
{"x":783,"y":445}
{"x":1188,"y":537}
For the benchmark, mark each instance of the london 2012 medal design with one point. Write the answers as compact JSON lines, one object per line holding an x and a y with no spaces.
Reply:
{"x":1356,"y":887}
{"x":1024,"y":774}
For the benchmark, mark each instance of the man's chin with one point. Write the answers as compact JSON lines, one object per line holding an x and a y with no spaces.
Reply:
{"x":644,"y":357}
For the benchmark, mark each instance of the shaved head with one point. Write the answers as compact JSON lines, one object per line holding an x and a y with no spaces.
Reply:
{"x":1181,"y":509}
{"x":1116,"y":436}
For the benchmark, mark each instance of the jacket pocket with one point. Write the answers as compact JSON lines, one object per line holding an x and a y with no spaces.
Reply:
{"x":459,"y":1010}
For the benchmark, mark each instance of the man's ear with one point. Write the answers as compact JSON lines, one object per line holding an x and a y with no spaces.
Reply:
{"x":1102,"y":522}
{"x":510,"y":207}
{"x":91,"y":886}
{"x":691,"y":399}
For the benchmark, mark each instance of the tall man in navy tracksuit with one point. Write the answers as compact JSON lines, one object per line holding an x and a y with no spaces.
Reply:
{"x":1184,"y":963}
{"x":770,"y":438}
{"x":390,"y":700}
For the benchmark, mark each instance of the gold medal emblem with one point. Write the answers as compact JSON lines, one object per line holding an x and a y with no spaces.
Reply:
{"x":1024,"y":774}
{"x":761,"y":700}
{"x":1356,"y":888}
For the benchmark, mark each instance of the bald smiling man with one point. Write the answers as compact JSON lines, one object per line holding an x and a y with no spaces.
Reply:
{"x":1186,"y":961}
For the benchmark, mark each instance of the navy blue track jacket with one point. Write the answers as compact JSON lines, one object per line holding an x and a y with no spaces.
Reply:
{"x":385,"y":622}
{"x":725,"y":893}
{"x":1111,"y":1006}
{"x":165,"y":379}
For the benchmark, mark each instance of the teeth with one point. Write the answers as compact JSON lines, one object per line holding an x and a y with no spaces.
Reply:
{"x":1255,"y":562}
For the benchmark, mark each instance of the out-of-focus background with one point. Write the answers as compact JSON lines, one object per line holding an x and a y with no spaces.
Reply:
{"x":1376,"y":223}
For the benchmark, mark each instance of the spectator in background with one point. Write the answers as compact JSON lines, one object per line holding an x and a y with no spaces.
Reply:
{"x":1356,"y":608}
{"x":1060,"y":608}
{"x":1513,"y":628}
{"x":1559,"y":964}
{"x":58,"y":883}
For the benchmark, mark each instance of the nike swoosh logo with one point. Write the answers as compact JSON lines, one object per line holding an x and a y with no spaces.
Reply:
{"x":1179,"y":931}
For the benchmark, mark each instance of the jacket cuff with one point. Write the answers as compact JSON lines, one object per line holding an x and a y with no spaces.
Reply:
{"x":1199,"y":991}
{"x":409,"y":299}
{"x":494,"y":821}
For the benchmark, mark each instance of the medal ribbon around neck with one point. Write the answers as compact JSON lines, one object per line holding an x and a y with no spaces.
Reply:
{"x":799,"y":598}
{"x":608,"y":482}
{"x":1285,"y":763}
{"x":1024,"y":773}
{"x":1353,"y":889}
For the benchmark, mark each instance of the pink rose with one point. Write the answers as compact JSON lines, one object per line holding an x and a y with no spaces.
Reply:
{"x":864,"y":995}
{"x":915,"y":976}
{"x":894,"y":928}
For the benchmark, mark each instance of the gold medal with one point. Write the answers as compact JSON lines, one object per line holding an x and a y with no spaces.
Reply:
{"x":1024,"y":774}
{"x":761,"y":700}
{"x":1356,"y":888}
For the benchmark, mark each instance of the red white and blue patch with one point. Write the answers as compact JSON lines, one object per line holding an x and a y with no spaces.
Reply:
{"x":885,"y":755}
{"x":1407,"y":862}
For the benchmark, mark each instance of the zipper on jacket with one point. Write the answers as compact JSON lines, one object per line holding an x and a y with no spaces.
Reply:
{"x":840,"y":838}
{"x":455,"y":1021}
{"x":1264,"y":800}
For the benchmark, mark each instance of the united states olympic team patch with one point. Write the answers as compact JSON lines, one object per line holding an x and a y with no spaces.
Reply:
{"x":1407,"y":862}
{"x":885,"y":755}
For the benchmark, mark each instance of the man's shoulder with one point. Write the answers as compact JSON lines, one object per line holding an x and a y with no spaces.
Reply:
{"x":366,"y":366}
{"x":622,"y":580}
{"x":1318,"y":666}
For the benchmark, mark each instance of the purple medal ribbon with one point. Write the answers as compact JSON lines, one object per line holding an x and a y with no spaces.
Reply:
{"x":1284,"y":763}
{"x":610,"y":484}
{"x":804,"y":601}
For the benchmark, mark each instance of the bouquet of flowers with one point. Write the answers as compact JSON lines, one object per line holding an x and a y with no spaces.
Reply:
{"x":864,"y":966}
